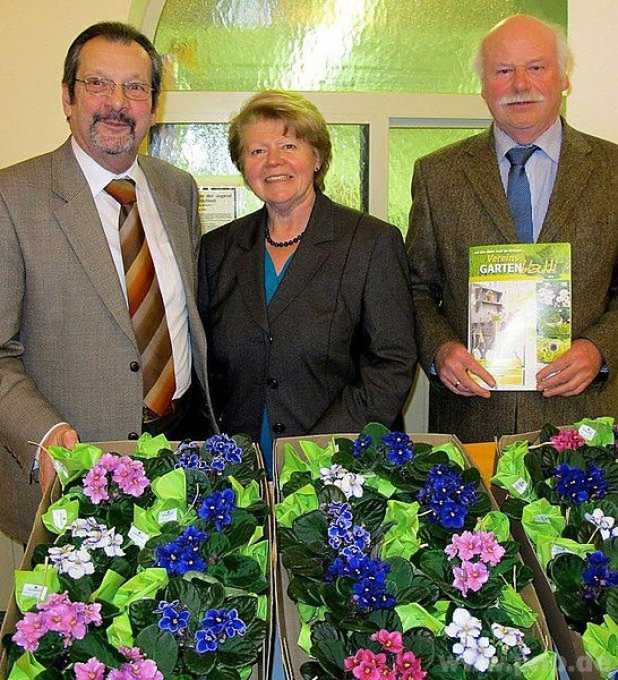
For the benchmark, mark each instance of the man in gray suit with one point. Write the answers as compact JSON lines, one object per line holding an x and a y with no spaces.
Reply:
{"x":81,"y":352}
{"x":460,"y":200}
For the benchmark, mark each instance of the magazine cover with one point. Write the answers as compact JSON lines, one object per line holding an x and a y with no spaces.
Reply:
{"x":519,"y":309}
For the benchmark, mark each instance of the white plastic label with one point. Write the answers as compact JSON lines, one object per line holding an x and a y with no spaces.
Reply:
{"x":541,"y":519}
{"x":139,"y":537}
{"x":60,"y":469}
{"x":520,"y":485}
{"x":168,"y":516}
{"x":587,"y":432}
{"x":559,"y":550}
{"x":60,"y":517}
{"x":34,"y":590}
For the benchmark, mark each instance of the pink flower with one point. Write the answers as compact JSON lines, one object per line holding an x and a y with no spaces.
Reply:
{"x":109,"y":462}
{"x":54,"y":600}
{"x":409,"y":666}
{"x":365,"y":665}
{"x":92,"y":613}
{"x":130,"y":476}
{"x":132,"y":653}
{"x":567,"y":439}
{"x":491,"y":551}
{"x":391,"y":642}
{"x":145,"y":670}
{"x":95,"y":484}
{"x":29,"y":631}
{"x":465,"y":546}
{"x":93,"y":669}
{"x":470,"y":576}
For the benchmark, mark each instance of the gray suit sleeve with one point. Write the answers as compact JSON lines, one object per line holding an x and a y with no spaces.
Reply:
{"x":388,"y":359}
{"x":432,"y":329}
{"x":24,"y":413}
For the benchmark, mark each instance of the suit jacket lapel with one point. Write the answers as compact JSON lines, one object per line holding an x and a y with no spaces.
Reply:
{"x":251,"y":268}
{"x":79,"y":220}
{"x":574,"y":170}
{"x":481,"y":170}
{"x":308,"y":259}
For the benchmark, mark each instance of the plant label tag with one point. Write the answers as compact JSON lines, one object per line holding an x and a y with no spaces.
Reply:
{"x":559,"y":550}
{"x":39,"y":592}
{"x":60,"y":518}
{"x":520,"y":485}
{"x":587,"y":432}
{"x":60,"y":469}
{"x":168,"y":516}
{"x":541,"y":519}
{"x":140,"y":538}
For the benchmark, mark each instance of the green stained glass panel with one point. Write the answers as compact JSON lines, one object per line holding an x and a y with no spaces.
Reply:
{"x":419,"y":46}
{"x":201,"y":149}
{"x":405,"y":146}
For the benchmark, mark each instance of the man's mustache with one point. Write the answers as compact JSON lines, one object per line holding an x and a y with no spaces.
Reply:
{"x":115,"y":116}
{"x":521,"y":98}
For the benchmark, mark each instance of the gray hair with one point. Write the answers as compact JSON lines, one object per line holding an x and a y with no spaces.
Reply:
{"x":563,"y":51}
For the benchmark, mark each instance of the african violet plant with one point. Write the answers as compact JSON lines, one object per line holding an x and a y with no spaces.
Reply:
{"x":564,"y":489}
{"x":397,"y":565}
{"x":158,"y":569}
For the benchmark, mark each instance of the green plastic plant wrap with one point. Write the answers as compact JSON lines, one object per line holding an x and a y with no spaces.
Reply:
{"x":119,"y":632}
{"x":258,"y":551}
{"x":541,"y":519}
{"x":596,"y":431}
{"x":511,"y":602}
{"x":35,"y":586}
{"x":316,"y":458}
{"x":413,"y":615}
{"x":245,"y":495}
{"x":110,"y":583}
{"x":148,"y":446}
{"x":296,"y":504}
{"x":512,"y":474}
{"x":167,"y":510}
{"x":380,"y":484}
{"x":497,"y":522}
{"x":61,"y":514}
{"x":144,"y":526}
{"x":453,"y":453}
{"x":548,"y":548}
{"x":25,"y":668}
{"x":171,"y":486}
{"x":69,"y":464}
{"x":601,"y":644}
{"x":400,"y":540}
{"x":541,"y":667}
{"x":140,"y":587}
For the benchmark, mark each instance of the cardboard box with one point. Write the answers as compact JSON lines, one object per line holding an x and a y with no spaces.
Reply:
{"x":288,"y":622}
{"x":568,"y":642}
{"x":40,"y":534}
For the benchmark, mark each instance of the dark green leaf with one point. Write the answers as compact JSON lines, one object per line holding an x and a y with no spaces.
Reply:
{"x":245,"y":606}
{"x":242,"y":528}
{"x":141,"y":614}
{"x":160,"y":646}
{"x":237,"y":652}
{"x":311,"y":528}
{"x":95,"y":644}
{"x":331,"y":655}
{"x":187,"y":593}
{"x":199,"y":664}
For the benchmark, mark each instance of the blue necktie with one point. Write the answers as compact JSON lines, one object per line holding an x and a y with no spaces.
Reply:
{"x":518,"y":192}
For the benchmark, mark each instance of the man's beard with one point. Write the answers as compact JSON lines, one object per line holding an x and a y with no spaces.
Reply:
{"x":114,"y":143}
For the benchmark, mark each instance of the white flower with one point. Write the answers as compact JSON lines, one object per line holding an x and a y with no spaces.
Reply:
{"x":546,"y":296}
{"x":96,"y":537}
{"x":113,"y":543}
{"x":479,"y":654}
{"x":77,"y":564}
{"x":463,"y":626}
{"x":511,"y":637}
{"x":563,"y":299}
{"x":59,"y":554}
{"x":350,"y":483}
{"x":82,"y":527}
{"x":603,"y":522}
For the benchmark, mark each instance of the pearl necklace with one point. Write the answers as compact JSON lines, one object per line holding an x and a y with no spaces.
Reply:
{"x":283,"y":244}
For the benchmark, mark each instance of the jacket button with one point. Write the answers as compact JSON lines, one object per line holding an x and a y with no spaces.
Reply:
{"x":278,"y":428}
{"x":133,"y":435}
{"x":134,"y":366}
{"x":273,"y":383}
{"x":270,"y":338}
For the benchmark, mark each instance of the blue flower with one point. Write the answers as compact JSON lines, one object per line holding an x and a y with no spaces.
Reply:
{"x":217,"y":626}
{"x":174,"y":619}
{"x":182,"y":555}
{"x":217,"y":508}
{"x":189,"y":456}
{"x":361,"y":445}
{"x":452,"y":515}
{"x":221,"y":446}
{"x":205,"y":641}
{"x":399,"y":448}
{"x":575,"y":486}
{"x":447,"y":496}
{"x":597,"y":575}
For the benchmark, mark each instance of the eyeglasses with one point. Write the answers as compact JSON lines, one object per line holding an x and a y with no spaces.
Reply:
{"x":102,"y":86}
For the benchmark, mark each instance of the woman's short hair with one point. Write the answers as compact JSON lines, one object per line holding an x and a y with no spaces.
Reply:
{"x":295,"y":112}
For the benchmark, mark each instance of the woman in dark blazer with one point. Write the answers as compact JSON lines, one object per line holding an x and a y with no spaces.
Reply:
{"x":306,"y":303}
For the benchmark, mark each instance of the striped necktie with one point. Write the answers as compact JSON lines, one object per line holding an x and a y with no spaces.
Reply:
{"x":145,"y":302}
{"x":518,"y":192}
